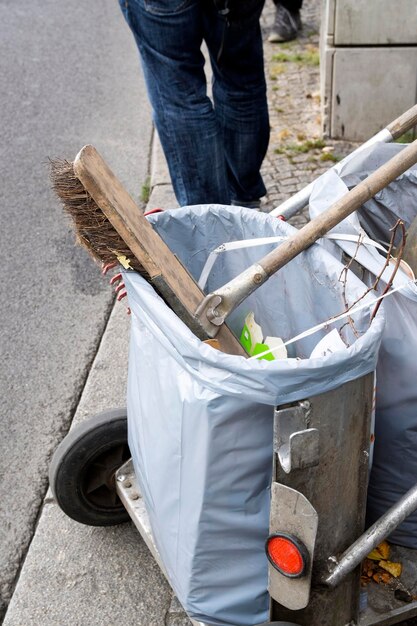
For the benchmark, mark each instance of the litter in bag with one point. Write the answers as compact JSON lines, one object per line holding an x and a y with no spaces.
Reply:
{"x":201,"y":421}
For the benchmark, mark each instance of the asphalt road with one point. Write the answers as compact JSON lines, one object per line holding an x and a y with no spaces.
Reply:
{"x":69,"y":76}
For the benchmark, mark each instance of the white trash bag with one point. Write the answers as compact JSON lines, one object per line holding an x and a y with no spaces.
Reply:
{"x":200,"y":421}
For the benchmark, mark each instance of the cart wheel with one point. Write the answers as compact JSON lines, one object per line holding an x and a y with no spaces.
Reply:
{"x":82,"y":471}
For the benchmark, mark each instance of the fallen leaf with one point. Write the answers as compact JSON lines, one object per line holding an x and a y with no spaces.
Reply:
{"x":394,"y":569}
{"x":284,"y":134}
{"x":380,"y":553}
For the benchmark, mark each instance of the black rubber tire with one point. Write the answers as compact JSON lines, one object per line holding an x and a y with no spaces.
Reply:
{"x":81,"y":473}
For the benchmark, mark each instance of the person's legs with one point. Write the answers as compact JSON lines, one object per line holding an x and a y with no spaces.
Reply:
{"x":169,"y":35}
{"x":239,"y":93}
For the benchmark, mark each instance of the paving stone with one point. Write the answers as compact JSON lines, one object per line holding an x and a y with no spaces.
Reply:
{"x":87,"y":576}
{"x":159,"y":168}
{"x":294,"y":106}
{"x":162,"y":197}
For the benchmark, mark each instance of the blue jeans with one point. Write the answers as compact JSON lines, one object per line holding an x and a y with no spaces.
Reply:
{"x":214,"y":149}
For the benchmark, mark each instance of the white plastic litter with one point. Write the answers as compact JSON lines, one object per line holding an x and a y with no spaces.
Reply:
{"x":330,"y":344}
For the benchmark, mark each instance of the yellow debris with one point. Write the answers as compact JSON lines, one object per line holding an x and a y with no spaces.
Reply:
{"x":124,"y":261}
{"x":394,"y":569}
{"x":380,"y":553}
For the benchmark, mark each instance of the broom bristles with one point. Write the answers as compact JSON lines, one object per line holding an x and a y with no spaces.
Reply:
{"x":93,"y":230}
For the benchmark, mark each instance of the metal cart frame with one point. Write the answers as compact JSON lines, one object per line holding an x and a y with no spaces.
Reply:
{"x":320,"y":476}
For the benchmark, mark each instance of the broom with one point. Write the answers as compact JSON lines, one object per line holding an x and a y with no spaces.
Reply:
{"x":111,"y":227}
{"x":91,"y":190}
{"x":93,"y":231}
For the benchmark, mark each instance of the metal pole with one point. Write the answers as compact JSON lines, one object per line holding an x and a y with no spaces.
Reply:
{"x":298,"y":201}
{"x":212,"y":311}
{"x":395,"y":129}
{"x":371,"y":538}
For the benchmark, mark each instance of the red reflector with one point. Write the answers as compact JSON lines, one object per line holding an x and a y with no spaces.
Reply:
{"x":286,"y":556}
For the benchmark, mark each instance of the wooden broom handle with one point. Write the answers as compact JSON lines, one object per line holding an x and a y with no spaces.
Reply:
{"x":351,"y":202}
{"x":405,"y":122}
{"x":164,"y":270}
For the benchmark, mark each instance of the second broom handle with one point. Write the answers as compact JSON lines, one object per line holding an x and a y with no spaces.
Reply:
{"x":351,"y":202}
{"x":405,"y":122}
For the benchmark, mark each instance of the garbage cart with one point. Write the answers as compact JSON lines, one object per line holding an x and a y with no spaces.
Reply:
{"x":248,"y":477}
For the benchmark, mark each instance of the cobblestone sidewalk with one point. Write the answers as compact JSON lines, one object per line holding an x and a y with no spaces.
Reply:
{"x":297,"y":153}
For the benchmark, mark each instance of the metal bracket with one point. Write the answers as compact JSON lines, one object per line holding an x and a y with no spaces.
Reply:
{"x":213,"y":310}
{"x":296,"y":445}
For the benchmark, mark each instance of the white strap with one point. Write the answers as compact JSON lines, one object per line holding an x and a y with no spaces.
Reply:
{"x":356,"y":239}
{"x":261,"y":241}
{"x":232,"y":245}
{"x":332,"y":320}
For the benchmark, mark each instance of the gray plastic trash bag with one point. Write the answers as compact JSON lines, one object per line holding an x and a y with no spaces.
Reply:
{"x":200,"y":421}
{"x":394,"y":468}
{"x":398,"y":200}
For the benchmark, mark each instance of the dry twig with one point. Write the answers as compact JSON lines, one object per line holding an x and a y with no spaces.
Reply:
{"x":399,"y":224}
{"x":373,"y":287}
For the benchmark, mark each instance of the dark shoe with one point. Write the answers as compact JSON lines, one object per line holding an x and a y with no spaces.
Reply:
{"x":248,"y":204}
{"x":286,"y":25}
